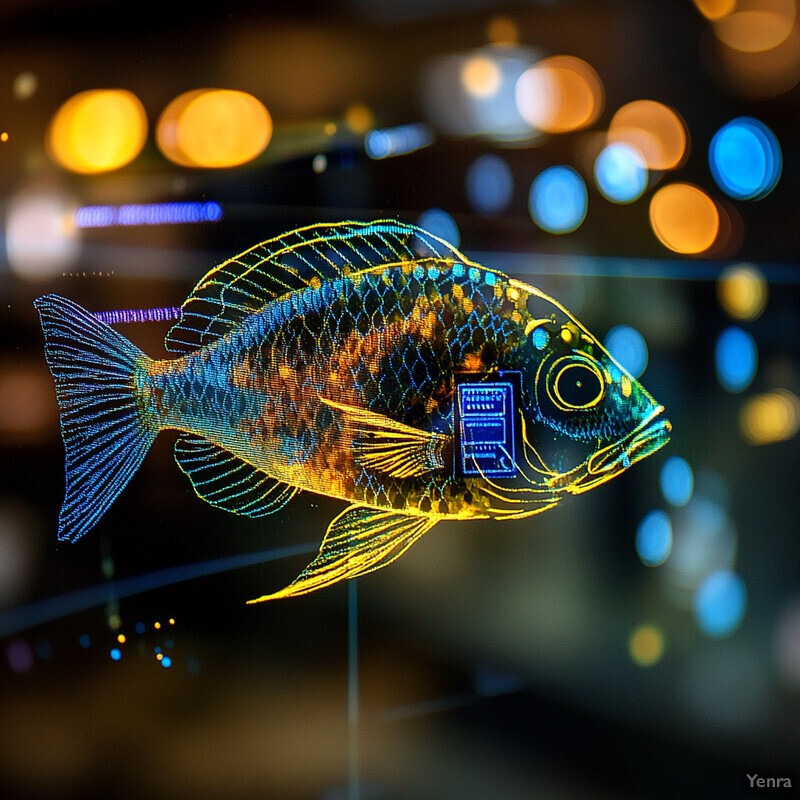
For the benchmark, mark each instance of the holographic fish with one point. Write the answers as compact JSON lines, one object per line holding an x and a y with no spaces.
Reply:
{"x":371,"y":362}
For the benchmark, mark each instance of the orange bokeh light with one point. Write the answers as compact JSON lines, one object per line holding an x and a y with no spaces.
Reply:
{"x":655,"y":130}
{"x":560,"y":94}
{"x":684,"y":218}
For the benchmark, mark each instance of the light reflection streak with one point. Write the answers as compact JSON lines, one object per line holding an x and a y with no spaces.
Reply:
{"x":49,"y":609}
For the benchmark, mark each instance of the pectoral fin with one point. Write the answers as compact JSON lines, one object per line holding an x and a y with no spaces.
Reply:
{"x":358,"y":541}
{"x":384,"y":445}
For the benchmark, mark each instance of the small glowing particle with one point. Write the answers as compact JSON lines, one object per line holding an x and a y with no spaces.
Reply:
{"x":169,"y":644}
{"x":646,"y":645}
{"x":157,"y":650}
{"x":114,"y":622}
{"x":140,"y":628}
{"x":24,"y":86}
{"x":320,"y":163}
{"x":157,"y":626}
{"x":116,"y":654}
{"x":121,"y":638}
{"x":160,"y":656}
{"x":742,"y":291}
{"x":329,"y":129}
{"x":166,"y":662}
{"x":3,"y":137}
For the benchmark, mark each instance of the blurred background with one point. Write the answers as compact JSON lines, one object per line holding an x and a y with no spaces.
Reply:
{"x":635,"y":159}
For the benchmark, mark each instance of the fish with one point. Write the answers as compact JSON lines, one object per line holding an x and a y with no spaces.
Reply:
{"x":371,"y":362}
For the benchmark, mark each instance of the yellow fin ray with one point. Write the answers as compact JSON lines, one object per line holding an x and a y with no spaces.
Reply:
{"x":360,"y":540}
{"x":384,"y":445}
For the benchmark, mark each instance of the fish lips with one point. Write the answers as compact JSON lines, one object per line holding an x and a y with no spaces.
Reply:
{"x":650,"y":435}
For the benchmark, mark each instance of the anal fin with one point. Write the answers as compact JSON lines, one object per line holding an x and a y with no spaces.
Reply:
{"x":360,"y":540}
{"x":227,"y":482}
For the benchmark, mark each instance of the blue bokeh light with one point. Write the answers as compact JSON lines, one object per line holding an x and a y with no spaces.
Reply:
{"x":745,"y":159}
{"x":116,"y":654}
{"x":620,"y":173}
{"x":85,"y":641}
{"x":441,"y":224}
{"x":654,"y":538}
{"x":677,"y":481}
{"x":719,"y":603}
{"x":489,"y":184}
{"x":628,"y":348}
{"x":166,"y":662}
{"x":736,"y":359}
{"x":558,"y":200}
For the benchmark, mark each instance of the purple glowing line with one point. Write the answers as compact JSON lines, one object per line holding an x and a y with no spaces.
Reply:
{"x":147,"y":214}
{"x":138,"y":315}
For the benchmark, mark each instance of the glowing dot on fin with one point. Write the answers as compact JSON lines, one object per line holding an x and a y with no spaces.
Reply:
{"x":513,"y":294}
{"x":419,"y":272}
{"x":490,"y":278}
{"x":433,"y":272}
{"x":458,"y":270}
{"x":474,"y":274}
{"x":539,"y":338}
{"x":626,"y":386}
{"x":566,"y":335}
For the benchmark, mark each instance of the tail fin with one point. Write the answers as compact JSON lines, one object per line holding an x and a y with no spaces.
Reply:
{"x":106,"y":437}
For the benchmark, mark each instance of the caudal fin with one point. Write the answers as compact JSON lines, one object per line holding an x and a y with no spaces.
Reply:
{"x":105,"y":435}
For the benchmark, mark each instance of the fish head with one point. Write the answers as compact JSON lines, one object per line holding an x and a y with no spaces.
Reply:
{"x":585,"y":418}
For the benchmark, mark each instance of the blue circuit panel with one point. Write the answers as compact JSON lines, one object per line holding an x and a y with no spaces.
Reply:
{"x":487,"y":429}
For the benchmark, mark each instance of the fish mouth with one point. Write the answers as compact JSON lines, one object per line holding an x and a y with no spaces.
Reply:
{"x":650,"y":435}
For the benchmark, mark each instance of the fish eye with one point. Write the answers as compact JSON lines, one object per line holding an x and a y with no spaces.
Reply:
{"x":575,"y":383}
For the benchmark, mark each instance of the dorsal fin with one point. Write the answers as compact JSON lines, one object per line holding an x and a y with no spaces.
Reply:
{"x":244,"y":284}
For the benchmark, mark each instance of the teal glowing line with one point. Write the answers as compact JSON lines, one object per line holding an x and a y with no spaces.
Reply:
{"x":16,"y":620}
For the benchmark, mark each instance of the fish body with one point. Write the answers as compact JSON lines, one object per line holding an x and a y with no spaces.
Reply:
{"x":370,"y":362}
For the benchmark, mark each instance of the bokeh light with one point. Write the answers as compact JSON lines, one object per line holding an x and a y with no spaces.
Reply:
{"x":742,"y":291}
{"x":214,"y":128}
{"x":481,"y":76}
{"x":97,"y":131}
{"x":770,"y":417}
{"x":41,"y":235}
{"x":25,"y":85}
{"x":654,"y":538}
{"x":719,"y":603}
{"x":735,"y":359}
{"x":401,"y":140}
{"x":646,"y":645}
{"x":441,"y":224}
{"x":560,"y":94}
{"x":714,"y":9}
{"x":761,"y":25}
{"x":628,"y":348}
{"x":620,"y":173}
{"x":502,"y":30}
{"x":677,"y":481}
{"x":655,"y":130}
{"x":489,"y":184}
{"x":358,"y":118}
{"x":684,"y":218}
{"x":558,"y":200}
{"x":745,"y":159}
{"x":787,"y":644}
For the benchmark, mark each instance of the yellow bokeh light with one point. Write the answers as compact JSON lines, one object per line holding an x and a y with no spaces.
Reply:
{"x":114,"y":622}
{"x":97,"y":131}
{"x":121,"y":638}
{"x":684,"y":218}
{"x":480,"y":76}
{"x":503,"y":30}
{"x":761,"y":25}
{"x":655,"y":130}
{"x":4,"y":136}
{"x":560,"y":94}
{"x":770,"y":417}
{"x":214,"y":128}
{"x":157,"y":626}
{"x":715,"y":9}
{"x":359,"y":118}
{"x":742,"y":291}
{"x":646,"y":645}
